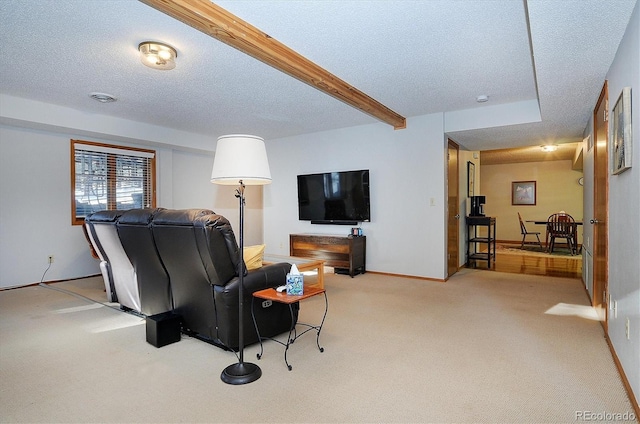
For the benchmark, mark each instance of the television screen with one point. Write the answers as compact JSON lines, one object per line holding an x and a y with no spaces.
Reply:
{"x":334,"y":197}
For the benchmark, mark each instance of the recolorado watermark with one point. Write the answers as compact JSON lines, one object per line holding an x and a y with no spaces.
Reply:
{"x":593,"y":416}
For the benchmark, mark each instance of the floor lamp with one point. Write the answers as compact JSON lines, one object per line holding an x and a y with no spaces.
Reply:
{"x":242,"y":160}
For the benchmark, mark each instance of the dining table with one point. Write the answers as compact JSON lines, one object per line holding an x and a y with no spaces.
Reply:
{"x":544,"y":222}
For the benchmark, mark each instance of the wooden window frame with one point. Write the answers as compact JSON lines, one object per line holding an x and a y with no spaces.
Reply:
{"x":111,"y":184}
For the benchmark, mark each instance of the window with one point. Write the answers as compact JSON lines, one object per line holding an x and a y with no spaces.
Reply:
{"x":106,"y":177}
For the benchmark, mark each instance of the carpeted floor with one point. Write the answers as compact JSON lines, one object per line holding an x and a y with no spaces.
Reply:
{"x":483,"y":347}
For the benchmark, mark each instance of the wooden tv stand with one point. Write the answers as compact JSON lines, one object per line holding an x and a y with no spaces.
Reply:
{"x":346,"y":254}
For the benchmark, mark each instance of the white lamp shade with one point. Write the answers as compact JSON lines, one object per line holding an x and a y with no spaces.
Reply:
{"x":240,"y":157}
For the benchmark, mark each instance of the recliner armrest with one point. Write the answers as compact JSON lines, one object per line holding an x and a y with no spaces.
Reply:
{"x":273,"y":275}
{"x":275,"y":319}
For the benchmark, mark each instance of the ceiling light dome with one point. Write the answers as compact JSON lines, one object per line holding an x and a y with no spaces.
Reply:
{"x":157,"y":55}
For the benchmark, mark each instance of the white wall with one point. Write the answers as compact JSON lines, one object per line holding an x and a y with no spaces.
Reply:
{"x":20,"y":112}
{"x":624,"y":204}
{"x":35,"y":201}
{"x":406,"y":234}
{"x":35,"y":210}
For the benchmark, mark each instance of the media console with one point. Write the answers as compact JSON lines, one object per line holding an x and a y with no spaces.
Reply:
{"x":346,"y":254}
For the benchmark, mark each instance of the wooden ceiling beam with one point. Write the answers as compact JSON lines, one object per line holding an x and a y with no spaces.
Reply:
{"x":218,"y":23}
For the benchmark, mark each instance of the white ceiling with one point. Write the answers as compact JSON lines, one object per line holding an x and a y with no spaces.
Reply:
{"x":415,"y":57}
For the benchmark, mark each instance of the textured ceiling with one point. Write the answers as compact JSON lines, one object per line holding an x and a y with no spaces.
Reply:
{"x":415,"y":57}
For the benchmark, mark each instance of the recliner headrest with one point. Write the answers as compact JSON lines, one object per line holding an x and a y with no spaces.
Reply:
{"x":104,"y":216}
{"x":138,"y":216}
{"x":221,"y":224}
{"x":219,"y":234}
{"x":212,"y":220}
{"x":179,"y":217}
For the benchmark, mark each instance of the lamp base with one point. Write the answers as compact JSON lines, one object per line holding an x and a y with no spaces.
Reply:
{"x":241,"y":373}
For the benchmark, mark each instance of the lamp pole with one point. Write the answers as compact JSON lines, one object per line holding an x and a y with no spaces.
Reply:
{"x":241,"y":372}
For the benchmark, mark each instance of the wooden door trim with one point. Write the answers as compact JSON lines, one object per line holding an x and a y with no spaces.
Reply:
{"x":597,"y":187}
{"x":453,"y":145}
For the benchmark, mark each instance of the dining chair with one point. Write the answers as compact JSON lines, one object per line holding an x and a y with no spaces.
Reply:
{"x":525,"y":233}
{"x":562,"y":226}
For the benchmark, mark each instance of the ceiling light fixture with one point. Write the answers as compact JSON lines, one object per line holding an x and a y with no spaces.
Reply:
{"x":549,"y":148}
{"x":157,"y":55}
{"x":102,"y":97}
{"x":482,"y":98}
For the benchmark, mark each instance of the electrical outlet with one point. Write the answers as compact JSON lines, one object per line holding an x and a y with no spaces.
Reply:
{"x":50,"y":259}
{"x":627,"y":329}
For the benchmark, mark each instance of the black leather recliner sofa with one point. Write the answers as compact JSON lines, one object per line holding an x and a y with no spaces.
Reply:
{"x":202,"y":258}
{"x":193,"y":253}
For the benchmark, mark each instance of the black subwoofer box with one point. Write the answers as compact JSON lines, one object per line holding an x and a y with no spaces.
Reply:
{"x":163,"y":329}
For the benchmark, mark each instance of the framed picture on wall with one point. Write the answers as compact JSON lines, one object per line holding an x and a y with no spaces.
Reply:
{"x":523,"y":193}
{"x":471,"y":178}
{"x":621,"y":133}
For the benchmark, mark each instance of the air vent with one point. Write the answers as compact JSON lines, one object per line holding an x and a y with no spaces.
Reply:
{"x":102,"y":97}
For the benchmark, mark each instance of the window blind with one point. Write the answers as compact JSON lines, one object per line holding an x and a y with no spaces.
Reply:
{"x":111,"y":178}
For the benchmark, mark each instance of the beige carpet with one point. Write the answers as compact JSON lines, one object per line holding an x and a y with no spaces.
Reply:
{"x":482,"y":347}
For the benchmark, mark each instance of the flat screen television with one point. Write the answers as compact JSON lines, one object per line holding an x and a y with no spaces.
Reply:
{"x":334,"y":197}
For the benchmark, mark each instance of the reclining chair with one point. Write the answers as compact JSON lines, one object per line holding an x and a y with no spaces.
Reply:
{"x":152,"y":279}
{"x":103,"y":232}
{"x":202,"y":258}
{"x":105,"y":268}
